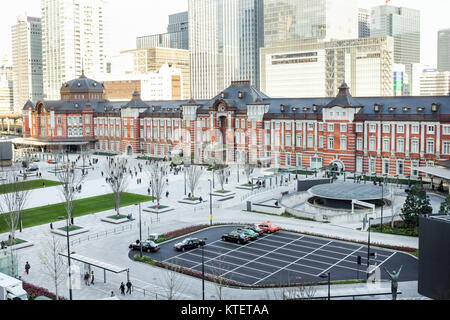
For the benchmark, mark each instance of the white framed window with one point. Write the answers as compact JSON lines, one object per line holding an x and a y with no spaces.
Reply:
{"x":267,"y":125}
{"x":430,"y":146}
{"x":267,"y":141}
{"x":373,"y":165}
{"x":321,"y":142}
{"x":446,"y":147}
{"x":359,"y":164}
{"x":320,"y":126}
{"x":299,"y":160}
{"x":310,"y":142}
{"x":386,"y":128}
{"x":299,"y":140}
{"x":343,"y":128}
{"x":331,"y":142}
{"x":372,"y":128}
{"x":88,"y":130}
{"x":59,"y":132}
{"x":359,"y":127}
{"x":331,"y":127}
{"x":386,"y":144}
{"x":400,"y":128}
{"x":343,"y":143}
{"x":288,"y":159}
{"x":243,"y":124}
{"x":400,"y":145}
{"x":288,"y":140}
{"x":359,"y":144}
{"x":430,"y":129}
{"x":446,"y":130}
{"x":288,"y":126}
{"x":400,"y":167}
{"x":277,"y":125}
{"x":385,"y":166}
{"x":372,"y":144}
{"x":414,"y":146}
{"x":310,"y":126}
{"x":415,"y":128}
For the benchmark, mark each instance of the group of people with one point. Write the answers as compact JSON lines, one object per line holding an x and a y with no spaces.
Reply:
{"x":128,"y":285}
{"x":89,"y":278}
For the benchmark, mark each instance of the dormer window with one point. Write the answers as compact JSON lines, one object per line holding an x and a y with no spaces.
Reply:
{"x":392,"y":109}
{"x":222,"y":95}
{"x":421,"y":109}
{"x":377,"y":108}
{"x":434,"y":107}
{"x":315,"y":108}
{"x":305,"y":109}
{"x":79,"y":84}
{"x":406,"y":109}
{"x":282,"y":108}
{"x":241,"y":95}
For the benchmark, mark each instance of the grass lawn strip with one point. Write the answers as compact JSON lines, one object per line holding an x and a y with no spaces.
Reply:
{"x":47,"y":214}
{"x":29,"y":185}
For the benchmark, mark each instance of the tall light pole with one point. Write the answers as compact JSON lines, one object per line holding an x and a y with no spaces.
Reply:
{"x":203,"y":270}
{"x":382,"y":205}
{"x":140,"y":229}
{"x":368,"y":250}
{"x":328,"y":276}
{"x":68,"y":259}
{"x":210,"y":202}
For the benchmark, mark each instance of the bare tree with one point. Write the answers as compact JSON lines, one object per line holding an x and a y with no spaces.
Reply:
{"x":299,"y":291}
{"x":14,"y":197}
{"x":157,"y":173}
{"x":70,"y":180}
{"x":85,"y":155}
{"x":248,"y":170}
{"x":117,"y":179}
{"x":52,"y":262}
{"x":173,"y":283}
{"x":218,"y":272}
{"x":193,"y":175}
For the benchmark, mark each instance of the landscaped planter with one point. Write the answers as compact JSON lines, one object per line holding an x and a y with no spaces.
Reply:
{"x":247,"y":187}
{"x":158,"y":210}
{"x":74,"y":230}
{"x":226,"y":193}
{"x":193,"y":201}
{"x":19,"y":244}
{"x":116,"y":219}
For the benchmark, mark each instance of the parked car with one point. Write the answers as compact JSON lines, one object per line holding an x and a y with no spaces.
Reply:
{"x":50,"y":161}
{"x":189,"y":243}
{"x":235,"y":237}
{"x":269,"y":227}
{"x":252,"y":235}
{"x":33,"y":168}
{"x":35,"y":160}
{"x":148,"y":246}
{"x":255,"y":228}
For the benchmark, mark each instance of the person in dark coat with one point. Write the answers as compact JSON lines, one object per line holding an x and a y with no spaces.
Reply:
{"x":122,"y":288}
{"x":129,"y":285}
{"x":27,"y":268}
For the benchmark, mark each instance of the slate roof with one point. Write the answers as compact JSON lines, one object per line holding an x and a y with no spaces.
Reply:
{"x":82,"y":84}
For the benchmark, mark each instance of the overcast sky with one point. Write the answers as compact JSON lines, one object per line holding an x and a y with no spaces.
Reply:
{"x":132,"y":18}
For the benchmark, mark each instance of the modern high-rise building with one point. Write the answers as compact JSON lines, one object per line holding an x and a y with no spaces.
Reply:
{"x":364,"y":23}
{"x":403,"y":24}
{"x":224,"y":40}
{"x":27,"y":61}
{"x":311,"y":68}
{"x":73,"y":39}
{"x":286,"y":20}
{"x":6,"y":89}
{"x":434,"y":83}
{"x":177,"y":36}
{"x":443,"y":62}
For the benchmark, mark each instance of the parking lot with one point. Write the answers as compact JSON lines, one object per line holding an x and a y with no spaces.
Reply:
{"x":284,"y":257}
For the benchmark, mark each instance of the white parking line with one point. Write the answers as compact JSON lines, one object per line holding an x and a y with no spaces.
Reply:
{"x":340,"y":261}
{"x":186,"y":252}
{"x":292,"y":263}
{"x":262,"y":256}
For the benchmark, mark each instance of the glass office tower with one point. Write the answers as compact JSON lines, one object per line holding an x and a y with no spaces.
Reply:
{"x":444,"y":50}
{"x":224,"y":40}
{"x":286,"y":20}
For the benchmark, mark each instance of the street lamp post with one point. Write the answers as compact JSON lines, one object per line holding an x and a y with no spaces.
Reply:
{"x":382,"y":205}
{"x":210,"y":203}
{"x":368,"y":250}
{"x":203,"y":270}
{"x":328,"y":276}
{"x":140,"y":229}
{"x":68,"y":260}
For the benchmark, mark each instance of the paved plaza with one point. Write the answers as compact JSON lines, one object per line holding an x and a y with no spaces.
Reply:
{"x":109,"y":243}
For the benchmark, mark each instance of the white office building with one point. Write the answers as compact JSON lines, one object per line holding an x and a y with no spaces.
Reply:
{"x":434,"y":83}
{"x":73,"y":39}
{"x":27,"y":61}
{"x":310,"y":69}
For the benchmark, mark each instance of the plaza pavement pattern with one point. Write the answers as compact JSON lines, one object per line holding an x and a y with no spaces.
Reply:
{"x":113,"y":248}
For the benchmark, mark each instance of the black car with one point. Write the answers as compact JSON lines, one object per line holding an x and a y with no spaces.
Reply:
{"x":148,"y":246}
{"x":255,"y":228}
{"x":235,"y":237}
{"x":189,"y":243}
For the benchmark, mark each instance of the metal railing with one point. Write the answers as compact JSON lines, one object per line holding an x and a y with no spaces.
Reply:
{"x":102,"y":234}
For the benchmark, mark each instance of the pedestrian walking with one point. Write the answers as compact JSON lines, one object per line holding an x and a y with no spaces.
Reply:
{"x":27,"y":268}
{"x":167,"y":194}
{"x":122,"y":288}
{"x":86,"y":279}
{"x":92,"y":277}
{"x":129,"y":285}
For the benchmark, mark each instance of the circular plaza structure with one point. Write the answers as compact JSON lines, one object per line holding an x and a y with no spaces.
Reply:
{"x":340,"y":195}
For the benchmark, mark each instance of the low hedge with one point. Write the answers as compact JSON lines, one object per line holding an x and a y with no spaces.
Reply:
{"x":35,"y":291}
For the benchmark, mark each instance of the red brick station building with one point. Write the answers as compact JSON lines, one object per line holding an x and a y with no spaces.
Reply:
{"x":382,"y":135}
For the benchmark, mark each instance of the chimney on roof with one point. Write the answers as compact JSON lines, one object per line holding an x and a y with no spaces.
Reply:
{"x":344,"y":90}
{"x":136,"y":95}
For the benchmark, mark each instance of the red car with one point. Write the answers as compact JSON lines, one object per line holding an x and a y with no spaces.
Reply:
{"x":268,"y":227}
{"x":51,"y":161}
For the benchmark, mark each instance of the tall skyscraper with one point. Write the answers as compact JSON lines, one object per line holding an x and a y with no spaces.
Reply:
{"x":27,"y":61}
{"x":404,"y":25}
{"x":364,"y":23}
{"x":177,"y":36}
{"x":224,"y":41}
{"x":444,"y":50}
{"x":72,"y":40}
{"x":326,"y":20}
